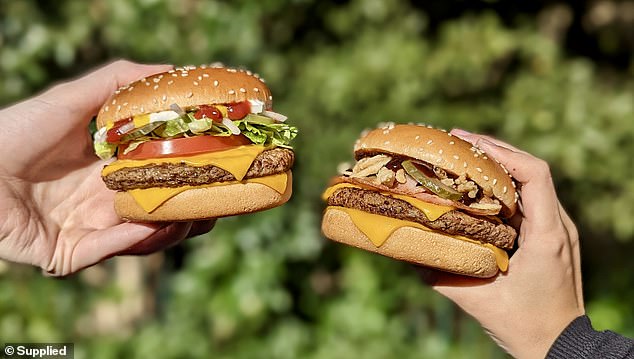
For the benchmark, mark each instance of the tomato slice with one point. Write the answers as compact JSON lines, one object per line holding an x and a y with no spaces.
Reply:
{"x":184,"y":146}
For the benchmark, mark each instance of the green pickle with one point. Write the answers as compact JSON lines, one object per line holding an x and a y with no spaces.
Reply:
{"x":432,"y":184}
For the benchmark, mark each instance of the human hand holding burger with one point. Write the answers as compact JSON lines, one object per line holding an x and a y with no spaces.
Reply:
{"x":55,"y":211}
{"x":526,"y":309}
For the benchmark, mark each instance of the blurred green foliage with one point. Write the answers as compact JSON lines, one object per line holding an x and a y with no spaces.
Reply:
{"x":553,"y":79}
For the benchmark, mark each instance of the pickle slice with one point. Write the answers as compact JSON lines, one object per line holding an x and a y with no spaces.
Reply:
{"x":432,"y":184}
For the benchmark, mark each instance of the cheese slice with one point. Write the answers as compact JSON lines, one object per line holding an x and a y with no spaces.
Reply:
{"x":151,"y":198}
{"x":235,"y":161}
{"x":432,"y":211}
{"x":379,"y":228}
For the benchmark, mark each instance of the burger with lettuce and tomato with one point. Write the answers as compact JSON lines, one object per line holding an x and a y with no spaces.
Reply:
{"x":194,"y":143}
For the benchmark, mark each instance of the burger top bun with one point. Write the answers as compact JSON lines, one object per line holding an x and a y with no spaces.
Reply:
{"x":446,"y":151}
{"x":187,"y":87}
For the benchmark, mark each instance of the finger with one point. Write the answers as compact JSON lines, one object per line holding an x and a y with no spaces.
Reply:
{"x":539,"y":199}
{"x":88,"y":93}
{"x":201,"y":227}
{"x":123,"y":238}
{"x":473,"y":138}
{"x":571,"y":229}
{"x":162,"y":239}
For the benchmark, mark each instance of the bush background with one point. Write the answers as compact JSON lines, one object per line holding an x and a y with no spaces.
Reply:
{"x":552,"y":77}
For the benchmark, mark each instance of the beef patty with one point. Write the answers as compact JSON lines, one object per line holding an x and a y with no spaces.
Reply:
{"x":453,"y":222}
{"x":269,"y":162}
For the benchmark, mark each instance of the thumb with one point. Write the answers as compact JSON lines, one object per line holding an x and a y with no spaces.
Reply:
{"x":87,"y":94}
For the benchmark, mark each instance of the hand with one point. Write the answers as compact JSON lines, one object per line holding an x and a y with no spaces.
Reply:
{"x":55,"y":211}
{"x":525,"y":309}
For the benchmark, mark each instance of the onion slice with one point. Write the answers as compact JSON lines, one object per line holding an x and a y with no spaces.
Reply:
{"x":274,"y":115}
{"x":232,"y":127}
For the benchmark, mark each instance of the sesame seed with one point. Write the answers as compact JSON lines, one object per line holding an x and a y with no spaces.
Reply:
{"x":479,"y":169}
{"x":438,"y":160}
{"x":156,"y":80}
{"x":130,"y":88}
{"x":464,"y":164}
{"x":249,"y":73}
{"x":231,"y":92}
{"x":485,"y":157}
{"x":200,"y":78}
{"x":147,"y":83}
{"x":495,"y":181}
{"x":114,"y":101}
{"x":189,"y":94}
{"x":160,"y":76}
{"x":504,"y":190}
{"x":174,"y":75}
{"x":256,"y":76}
{"x":417,"y":137}
{"x":156,"y":87}
{"x":486,"y":178}
{"x":456,"y":157}
{"x":106,"y":108}
{"x":155,"y":101}
{"x":256,"y":89}
{"x":184,"y":74}
{"x":386,"y":142}
{"x":118,"y":107}
{"x":195,"y":83}
{"x":430,"y":142}
{"x":205,"y":75}
{"x":125,"y":104}
{"x":243,"y":90}
{"x":440,"y":152}
{"x":513,"y":184}
{"x":164,"y":98}
{"x":215,"y":82}
{"x":452,"y":142}
{"x":170,"y":82}
{"x":141,"y":109}
{"x":270,"y":97}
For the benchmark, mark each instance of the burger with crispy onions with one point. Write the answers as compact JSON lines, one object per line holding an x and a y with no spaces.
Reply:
{"x":421,"y":195}
{"x":194,"y":143}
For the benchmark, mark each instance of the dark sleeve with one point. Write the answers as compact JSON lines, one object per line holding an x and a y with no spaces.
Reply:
{"x":580,"y":340}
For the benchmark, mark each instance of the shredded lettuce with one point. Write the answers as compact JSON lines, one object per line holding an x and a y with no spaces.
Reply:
{"x":259,"y":129}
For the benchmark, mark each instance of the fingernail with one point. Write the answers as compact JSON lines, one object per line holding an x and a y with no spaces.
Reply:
{"x":460,"y":132}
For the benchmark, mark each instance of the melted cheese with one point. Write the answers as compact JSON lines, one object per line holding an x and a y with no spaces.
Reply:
{"x":379,"y":228}
{"x":235,"y":161}
{"x":432,"y":211}
{"x":151,"y":198}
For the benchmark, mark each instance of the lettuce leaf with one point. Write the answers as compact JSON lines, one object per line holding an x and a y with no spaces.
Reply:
{"x":259,"y":129}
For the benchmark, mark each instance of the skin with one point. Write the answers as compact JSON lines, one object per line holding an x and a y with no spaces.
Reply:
{"x":55,"y":211}
{"x":525,"y":309}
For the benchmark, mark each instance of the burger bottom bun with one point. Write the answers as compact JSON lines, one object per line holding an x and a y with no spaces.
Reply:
{"x":206,"y":202}
{"x":416,"y":246}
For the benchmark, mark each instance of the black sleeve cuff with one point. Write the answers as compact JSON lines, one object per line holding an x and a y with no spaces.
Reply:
{"x":580,"y":340}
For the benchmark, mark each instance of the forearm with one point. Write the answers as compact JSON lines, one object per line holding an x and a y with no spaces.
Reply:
{"x":580,"y":340}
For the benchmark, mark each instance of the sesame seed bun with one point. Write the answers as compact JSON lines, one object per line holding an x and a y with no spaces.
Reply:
{"x":187,"y":87}
{"x":202,"y":203}
{"x":443,"y":150}
{"x":414,"y":245}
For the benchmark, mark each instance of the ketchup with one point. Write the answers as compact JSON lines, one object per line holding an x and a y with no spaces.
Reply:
{"x":118,"y":130}
{"x":209,"y":112}
{"x":238,"y":110}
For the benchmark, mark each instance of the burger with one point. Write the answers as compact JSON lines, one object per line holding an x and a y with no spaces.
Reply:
{"x":194,"y":143}
{"x":421,"y":195}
